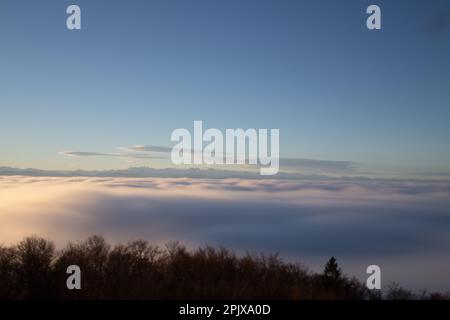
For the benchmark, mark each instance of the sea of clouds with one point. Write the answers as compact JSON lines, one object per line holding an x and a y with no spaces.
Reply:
{"x":401,"y":225}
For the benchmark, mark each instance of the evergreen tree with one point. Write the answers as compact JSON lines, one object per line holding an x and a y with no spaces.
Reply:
{"x":332,"y":270}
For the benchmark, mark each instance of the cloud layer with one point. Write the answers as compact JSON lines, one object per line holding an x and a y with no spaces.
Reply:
{"x":391,"y":223}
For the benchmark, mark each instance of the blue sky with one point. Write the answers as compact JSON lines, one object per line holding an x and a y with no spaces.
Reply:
{"x":140,"y":69}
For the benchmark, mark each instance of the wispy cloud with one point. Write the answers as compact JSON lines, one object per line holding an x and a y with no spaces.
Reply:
{"x":318,"y":164}
{"x":144,"y":148}
{"x":163,"y":152}
{"x":102,"y":154}
{"x":88,"y":154}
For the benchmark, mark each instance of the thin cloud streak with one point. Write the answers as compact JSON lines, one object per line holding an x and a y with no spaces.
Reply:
{"x":163,"y":152}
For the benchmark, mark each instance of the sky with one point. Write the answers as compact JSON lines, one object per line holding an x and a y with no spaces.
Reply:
{"x":140,"y":69}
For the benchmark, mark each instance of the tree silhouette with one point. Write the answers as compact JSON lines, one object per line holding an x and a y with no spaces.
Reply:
{"x":332,"y":270}
{"x":33,"y":269}
{"x":35,"y":257}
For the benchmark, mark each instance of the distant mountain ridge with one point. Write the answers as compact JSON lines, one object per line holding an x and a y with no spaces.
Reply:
{"x":197,"y":173}
{"x":140,"y":172}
